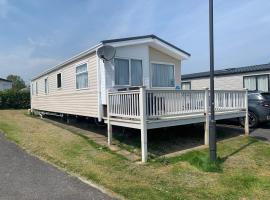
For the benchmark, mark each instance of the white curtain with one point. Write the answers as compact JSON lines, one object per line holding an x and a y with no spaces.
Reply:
{"x":121,"y":71}
{"x":250,"y":83}
{"x":263,"y":83}
{"x":136,"y":72}
{"x":162,"y":75}
{"x":81,"y":76}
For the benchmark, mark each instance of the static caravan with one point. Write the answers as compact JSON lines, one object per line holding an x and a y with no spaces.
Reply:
{"x":79,"y":85}
{"x":140,"y":88}
{"x":255,"y":77}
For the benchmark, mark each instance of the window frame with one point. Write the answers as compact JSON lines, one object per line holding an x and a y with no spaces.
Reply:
{"x":186,"y":82}
{"x":256,"y":77}
{"x":46,"y":86}
{"x":36,"y":88}
{"x":61,"y":79}
{"x":32,"y":89}
{"x":129,"y":68}
{"x":76,"y":66}
{"x":162,"y":63}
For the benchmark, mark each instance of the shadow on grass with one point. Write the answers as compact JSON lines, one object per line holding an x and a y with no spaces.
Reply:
{"x":160,"y":141}
{"x":251,"y":141}
{"x":200,"y":159}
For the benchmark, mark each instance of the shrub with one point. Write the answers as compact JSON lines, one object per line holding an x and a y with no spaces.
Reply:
{"x":13,"y":99}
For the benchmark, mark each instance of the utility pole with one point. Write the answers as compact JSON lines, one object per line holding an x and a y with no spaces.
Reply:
{"x":212,"y":124}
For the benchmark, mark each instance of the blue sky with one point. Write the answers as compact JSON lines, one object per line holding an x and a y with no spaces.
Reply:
{"x":35,"y":35}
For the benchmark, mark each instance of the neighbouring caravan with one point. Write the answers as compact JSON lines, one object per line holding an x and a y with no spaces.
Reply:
{"x":79,"y":85}
{"x":5,"y":84}
{"x":254,"y":77}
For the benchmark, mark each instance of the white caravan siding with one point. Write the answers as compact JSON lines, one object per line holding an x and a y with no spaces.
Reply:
{"x":158,"y":56}
{"x":68,"y":99}
{"x":228,"y":82}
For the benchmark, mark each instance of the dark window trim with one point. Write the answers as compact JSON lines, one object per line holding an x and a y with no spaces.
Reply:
{"x":256,"y":76}
{"x":189,"y":82}
{"x":58,"y":81}
{"x":46,"y":86}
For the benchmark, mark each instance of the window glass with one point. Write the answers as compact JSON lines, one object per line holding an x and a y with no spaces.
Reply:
{"x":32,"y":88}
{"x":162,"y":75}
{"x":36,"y":88}
{"x":59,"y":80}
{"x":250,"y":82}
{"x":186,"y":85}
{"x":262,"y":83}
{"x":266,"y":96}
{"x":46,"y":86}
{"x":253,"y":97}
{"x":258,"y":82}
{"x":121,"y":71}
{"x":81,"y":76}
{"x":136,"y":72}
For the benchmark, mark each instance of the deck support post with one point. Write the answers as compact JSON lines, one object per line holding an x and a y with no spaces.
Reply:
{"x":246,"y":118}
{"x":109,"y":126}
{"x":143,"y":124}
{"x":206,"y":113}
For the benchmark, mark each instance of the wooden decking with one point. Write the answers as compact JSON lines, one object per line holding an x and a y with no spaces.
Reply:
{"x":149,"y":109}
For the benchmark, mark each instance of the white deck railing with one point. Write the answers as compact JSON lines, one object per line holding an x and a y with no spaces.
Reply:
{"x":230,"y":100}
{"x":163,"y":103}
{"x":169,"y":103}
{"x":148,"y":108}
{"x":124,"y":104}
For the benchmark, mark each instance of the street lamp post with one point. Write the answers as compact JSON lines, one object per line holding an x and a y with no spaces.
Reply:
{"x":212,"y":124}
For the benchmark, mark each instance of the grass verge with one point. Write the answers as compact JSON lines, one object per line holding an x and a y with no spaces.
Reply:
{"x":243,"y":170}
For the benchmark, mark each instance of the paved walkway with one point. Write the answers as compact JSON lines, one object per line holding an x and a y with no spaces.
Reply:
{"x":25,"y":177}
{"x":262,"y":132}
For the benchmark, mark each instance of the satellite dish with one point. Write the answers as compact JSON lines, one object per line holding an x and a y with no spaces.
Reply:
{"x":106,"y":52}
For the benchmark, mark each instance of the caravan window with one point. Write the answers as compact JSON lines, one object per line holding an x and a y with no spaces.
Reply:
{"x":32,"y":89}
{"x":81,"y":76}
{"x":121,"y":71}
{"x":46,"y":86}
{"x":136,"y":72}
{"x":257,"y":82}
{"x":36,"y":88}
{"x":128,"y":72}
{"x":59,"y":80}
{"x":186,"y":86}
{"x":162,"y":75}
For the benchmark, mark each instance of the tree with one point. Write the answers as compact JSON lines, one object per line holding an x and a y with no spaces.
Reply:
{"x":17,"y":82}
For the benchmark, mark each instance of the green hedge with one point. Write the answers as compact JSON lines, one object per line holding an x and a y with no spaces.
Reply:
{"x":12,"y":99}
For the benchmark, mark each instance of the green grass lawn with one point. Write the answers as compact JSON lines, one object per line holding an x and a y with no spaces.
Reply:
{"x":242,"y":171}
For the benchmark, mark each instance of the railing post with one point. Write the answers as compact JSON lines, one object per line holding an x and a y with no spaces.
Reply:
{"x":246,"y":118}
{"x":206,"y":112}
{"x":143,"y":124}
{"x":109,"y":126}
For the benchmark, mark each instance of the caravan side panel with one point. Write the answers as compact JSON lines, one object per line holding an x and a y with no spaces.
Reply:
{"x":228,"y":82}
{"x":158,"y":56}
{"x":68,"y":99}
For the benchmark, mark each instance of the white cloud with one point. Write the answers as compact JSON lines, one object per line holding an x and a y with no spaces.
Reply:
{"x":42,"y":42}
